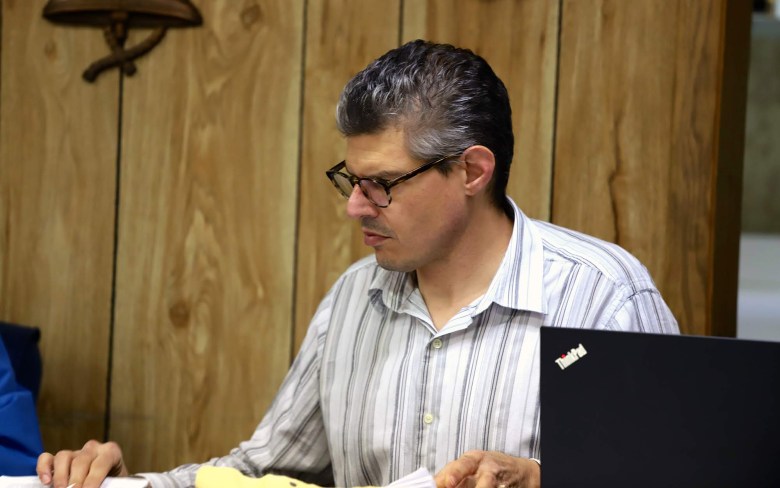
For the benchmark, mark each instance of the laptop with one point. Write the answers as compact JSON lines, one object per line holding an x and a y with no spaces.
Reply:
{"x":648,"y":410}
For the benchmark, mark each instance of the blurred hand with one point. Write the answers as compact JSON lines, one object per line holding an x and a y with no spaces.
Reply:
{"x":489,"y":469}
{"x":87,"y":467}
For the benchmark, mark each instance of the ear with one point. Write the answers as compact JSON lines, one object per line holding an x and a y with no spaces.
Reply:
{"x":480,"y":163}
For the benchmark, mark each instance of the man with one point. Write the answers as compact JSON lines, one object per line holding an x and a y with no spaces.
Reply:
{"x":426,"y":354}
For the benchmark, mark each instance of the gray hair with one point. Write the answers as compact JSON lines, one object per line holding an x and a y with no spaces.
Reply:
{"x":443,"y":98}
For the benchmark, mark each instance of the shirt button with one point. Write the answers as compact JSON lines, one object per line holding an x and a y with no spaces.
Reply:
{"x":437,"y":343}
{"x":428,"y":418}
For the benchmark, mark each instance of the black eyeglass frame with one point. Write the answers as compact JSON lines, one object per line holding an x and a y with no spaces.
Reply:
{"x":386,"y":185}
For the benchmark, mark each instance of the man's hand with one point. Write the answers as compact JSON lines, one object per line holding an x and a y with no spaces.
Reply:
{"x":87,"y":468}
{"x":489,"y":469}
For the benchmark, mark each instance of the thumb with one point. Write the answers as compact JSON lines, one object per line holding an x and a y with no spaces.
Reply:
{"x":456,"y":471}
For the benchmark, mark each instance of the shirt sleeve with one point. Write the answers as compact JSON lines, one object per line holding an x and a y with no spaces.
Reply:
{"x":644,"y":311}
{"x":290,"y":439}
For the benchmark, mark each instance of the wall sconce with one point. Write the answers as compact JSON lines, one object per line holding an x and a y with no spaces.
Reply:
{"x":116,"y":17}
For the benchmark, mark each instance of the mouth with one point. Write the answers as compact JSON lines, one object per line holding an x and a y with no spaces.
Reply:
{"x":372,"y":239}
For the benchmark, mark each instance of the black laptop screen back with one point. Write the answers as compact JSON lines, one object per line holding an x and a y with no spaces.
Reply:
{"x":638,"y":410}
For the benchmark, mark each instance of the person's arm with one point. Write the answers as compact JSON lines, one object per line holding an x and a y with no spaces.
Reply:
{"x":289,"y":440}
{"x":20,"y":438}
{"x":638,"y":308}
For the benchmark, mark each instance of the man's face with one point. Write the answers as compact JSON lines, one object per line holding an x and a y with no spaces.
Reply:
{"x":427,"y":215}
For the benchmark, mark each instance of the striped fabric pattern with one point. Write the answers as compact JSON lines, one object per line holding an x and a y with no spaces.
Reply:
{"x":377,"y":392}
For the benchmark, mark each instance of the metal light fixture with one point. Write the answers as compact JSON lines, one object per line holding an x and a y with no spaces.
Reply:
{"x":116,"y":17}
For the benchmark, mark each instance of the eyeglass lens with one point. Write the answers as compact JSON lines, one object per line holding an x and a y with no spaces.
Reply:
{"x":375,"y":192}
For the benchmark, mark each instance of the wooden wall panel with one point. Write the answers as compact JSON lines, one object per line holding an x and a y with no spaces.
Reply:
{"x":637,"y":157}
{"x":57,"y":167}
{"x":207,"y":227}
{"x":519,"y":38}
{"x":342,"y":38}
{"x":731,"y":118}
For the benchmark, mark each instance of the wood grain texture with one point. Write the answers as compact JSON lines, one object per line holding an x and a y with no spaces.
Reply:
{"x":637,"y":138}
{"x":342,"y":38}
{"x":726,"y":225}
{"x":519,"y":40}
{"x":207,"y":227}
{"x":57,"y":167}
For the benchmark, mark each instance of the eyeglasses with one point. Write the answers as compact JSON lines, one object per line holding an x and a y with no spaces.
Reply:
{"x":377,"y":190}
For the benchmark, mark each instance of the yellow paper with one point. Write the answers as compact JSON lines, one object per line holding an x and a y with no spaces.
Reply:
{"x":223,"y":477}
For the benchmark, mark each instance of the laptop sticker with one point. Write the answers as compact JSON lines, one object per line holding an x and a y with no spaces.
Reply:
{"x":571,"y":357}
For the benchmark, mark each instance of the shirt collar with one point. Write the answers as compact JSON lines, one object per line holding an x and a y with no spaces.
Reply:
{"x":518,"y":284}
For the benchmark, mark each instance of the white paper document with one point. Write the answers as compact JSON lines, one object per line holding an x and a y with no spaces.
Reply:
{"x":34,"y":482}
{"x":419,"y":479}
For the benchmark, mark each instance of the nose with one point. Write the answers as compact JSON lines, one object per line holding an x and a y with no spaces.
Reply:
{"x":358,"y":206}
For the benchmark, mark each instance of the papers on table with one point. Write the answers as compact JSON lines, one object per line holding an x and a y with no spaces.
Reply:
{"x":419,"y":479}
{"x":223,"y":476}
{"x":34,"y":482}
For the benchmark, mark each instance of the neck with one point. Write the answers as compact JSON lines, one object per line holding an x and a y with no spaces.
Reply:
{"x":464,"y":275}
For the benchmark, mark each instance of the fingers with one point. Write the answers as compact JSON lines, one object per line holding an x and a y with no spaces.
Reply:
{"x":82,"y":464}
{"x":487,"y":479}
{"x":62,"y":462}
{"x":490,"y":473}
{"x":468,"y":482}
{"x":456,"y":472}
{"x":45,"y":467}
{"x":108,"y":462}
{"x":87,"y":467}
{"x":488,"y":469}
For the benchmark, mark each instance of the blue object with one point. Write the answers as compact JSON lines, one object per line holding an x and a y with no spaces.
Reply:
{"x":21,"y":344}
{"x":20,"y":437}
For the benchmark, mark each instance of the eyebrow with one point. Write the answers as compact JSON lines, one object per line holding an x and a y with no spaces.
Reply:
{"x":382,"y":175}
{"x":387,"y":175}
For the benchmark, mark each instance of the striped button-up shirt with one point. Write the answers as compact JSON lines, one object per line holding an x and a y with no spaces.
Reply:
{"x":377,"y":391}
